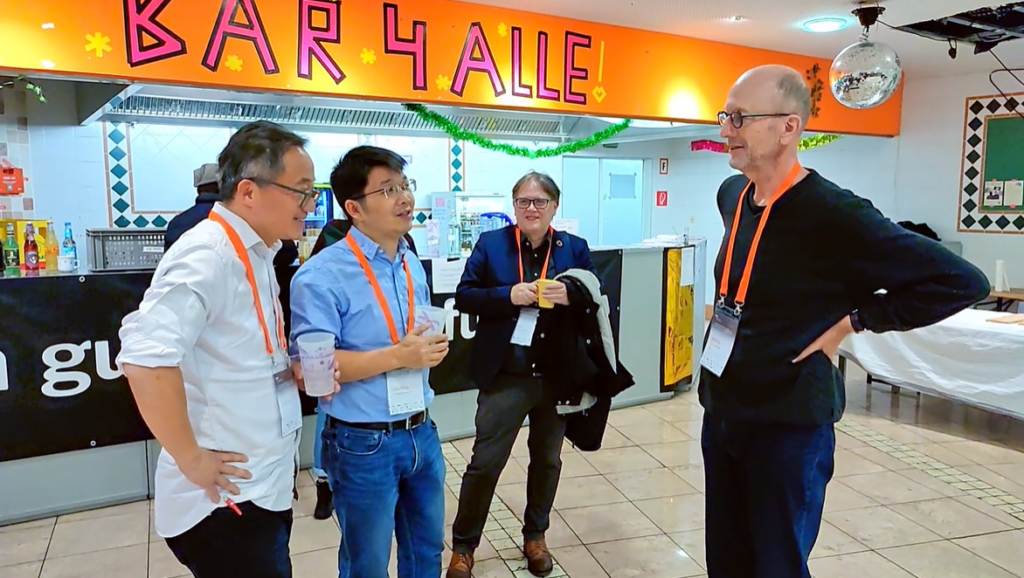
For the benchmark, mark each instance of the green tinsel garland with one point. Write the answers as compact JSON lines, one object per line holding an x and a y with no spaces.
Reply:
{"x":818,"y":140}
{"x":458,"y":133}
{"x":29,"y":86}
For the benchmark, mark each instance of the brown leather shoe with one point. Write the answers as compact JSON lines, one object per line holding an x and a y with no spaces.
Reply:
{"x":538,"y":557}
{"x":461,"y":566}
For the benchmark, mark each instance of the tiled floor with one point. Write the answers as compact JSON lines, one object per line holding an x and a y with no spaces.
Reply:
{"x":924,"y":488}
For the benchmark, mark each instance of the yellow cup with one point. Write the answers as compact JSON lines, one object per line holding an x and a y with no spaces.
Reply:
{"x":541,"y":301}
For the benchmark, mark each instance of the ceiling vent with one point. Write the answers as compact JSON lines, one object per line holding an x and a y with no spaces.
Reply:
{"x":984,"y":28}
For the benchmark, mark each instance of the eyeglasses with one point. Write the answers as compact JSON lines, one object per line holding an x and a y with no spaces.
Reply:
{"x":524,"y":203}
{"x":305,"y":196}
{"x":737,"y":118}
{"x":407,"y":186}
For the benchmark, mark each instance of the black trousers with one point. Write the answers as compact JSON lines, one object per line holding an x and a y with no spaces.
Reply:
{"x":500,"y":412}
{"x":226,"y":545}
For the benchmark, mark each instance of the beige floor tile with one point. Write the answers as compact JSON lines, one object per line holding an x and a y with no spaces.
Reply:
{"x":493,"y":568}
{"x":647,"y":484}
{"x":588,"y":491}
{"x":163,"y":564}
{"x":861,"y":565}
{"x":29,"y":570}
{"x":943,"y":560}
{"x":653,"y":557}
{"x":676,"y":513}
{"x":1003,"y":549}
{"x":987,"y":453}
{"x":318,"y":564}
{"x":880,"y":527}
{"x":127,"y":562}
{"x":97,"y":534}
{"x":653,"y":433}
{"x":883,"y":459}
{"x":630,"y":416}
{"x":310,"y":534}
{"x":834,"y":542}
{"x":614,"y":439}
{"x":677,"y":412}
{"x":991,"y":511}
{"x":890,"y":488}
{"x":512,"y":474}
{"x":899,"y":433}
{"x":692,"y":427}
{"x":131,"y":508}
{"x":935,"y":433}
{"x":848,"y":442}
{"x":941,"y":453}
{"x":693,"y":475}
{"x":850,"y":464}
{"x":559,"y":535}
{"x":574,"y":465}
{"x":692,"y":543}
{"x":577,"y":561}
{"x":1009,"y":479}
{"x":612,"y":522}
{"x":839,"y":496}
{"x":950,"y":518}
{"x":28,"y":545}
{"x":307,"y":502}
{"x":44,"y":523}
{"x":932,"y":482}
{"x":622,"y":460}
{"x":451,"y":507}
{"x":677,"y":454}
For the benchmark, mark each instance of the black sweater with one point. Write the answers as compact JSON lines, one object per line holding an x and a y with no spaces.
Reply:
{"x":824,"y":253}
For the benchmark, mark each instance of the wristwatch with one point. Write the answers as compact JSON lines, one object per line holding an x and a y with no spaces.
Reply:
{"x":855,"y":321}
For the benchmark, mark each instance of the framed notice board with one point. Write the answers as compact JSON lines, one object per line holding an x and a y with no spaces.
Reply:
{"x":992,"y":170}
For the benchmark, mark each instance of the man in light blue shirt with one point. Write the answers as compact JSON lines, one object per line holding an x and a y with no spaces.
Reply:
{"x":380,"y":448}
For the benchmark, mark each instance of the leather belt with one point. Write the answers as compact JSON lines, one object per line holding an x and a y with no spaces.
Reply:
{"x":404,"y":424}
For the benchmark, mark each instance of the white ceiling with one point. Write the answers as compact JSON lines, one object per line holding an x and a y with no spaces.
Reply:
{"x":775,"y":25}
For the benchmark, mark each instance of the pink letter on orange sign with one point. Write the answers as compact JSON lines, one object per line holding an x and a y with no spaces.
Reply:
{"x":518,"y":88}
{"x":542,"y":69}
{"x":311,"y":37}
{"x":140,"y":22}
{"x":476,"y":40}
{"x":252,"y":30}
{"x":415,"y":46}
{"x":572,"y":42}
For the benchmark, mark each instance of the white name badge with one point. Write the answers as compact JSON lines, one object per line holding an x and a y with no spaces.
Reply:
{"x":288,"y":403}
{"x":721,"y":339}
{"x":405,"y":391}
{"x":526,"y":325}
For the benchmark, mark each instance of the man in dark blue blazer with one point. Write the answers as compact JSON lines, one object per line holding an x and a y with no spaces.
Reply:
{"x":506,"y":278}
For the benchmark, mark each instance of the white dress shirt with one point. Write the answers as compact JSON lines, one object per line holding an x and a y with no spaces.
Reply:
{"x":198,"y":315}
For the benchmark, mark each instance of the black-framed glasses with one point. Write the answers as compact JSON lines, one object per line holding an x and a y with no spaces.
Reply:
{"x":406,"y":186}
{"x":305,"y":196}
{"x":737,"y":117}
{"x":524,"y":203}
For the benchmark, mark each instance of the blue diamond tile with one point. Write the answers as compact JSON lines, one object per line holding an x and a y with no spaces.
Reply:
{"x":457,"y":178}
{"x":119,"y":171}
{"x":117,"y":153}
{"x":456,"y":150}
{"x":116,"y":136}
{"x":141,"y":222}
{"x":116,"y":102}
{"x":119,"y":188}
{"x":457,"y":164}
{"x":421,"y":217}
{"x":122,"y":222}
{"x":159,"y":222}
{"x":121,"y":205}
{"x":457,"y":189}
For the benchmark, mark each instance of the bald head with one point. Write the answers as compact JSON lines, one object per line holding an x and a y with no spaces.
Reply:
{"x":784,"y":86}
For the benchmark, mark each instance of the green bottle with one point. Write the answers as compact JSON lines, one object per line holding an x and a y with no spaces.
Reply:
{"x":12,"y":255}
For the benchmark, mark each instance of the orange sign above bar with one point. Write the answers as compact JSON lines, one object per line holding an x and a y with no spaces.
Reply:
{"x":429,"y":51}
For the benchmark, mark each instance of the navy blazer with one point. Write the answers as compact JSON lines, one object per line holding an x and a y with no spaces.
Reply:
{"x":486,"y":289}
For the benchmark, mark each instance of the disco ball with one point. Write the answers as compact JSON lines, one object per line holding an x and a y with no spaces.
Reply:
{"x":865,"y":74}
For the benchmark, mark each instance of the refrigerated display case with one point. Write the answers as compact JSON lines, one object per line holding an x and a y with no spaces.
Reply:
{"x":323,"y":213}
{"x":462,"y":216}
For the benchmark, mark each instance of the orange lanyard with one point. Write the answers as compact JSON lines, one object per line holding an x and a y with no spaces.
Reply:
{"x":519,"y":245}
{"x":243,"y":255}
{"x":741,"y":294}
{"x":380,"y":294}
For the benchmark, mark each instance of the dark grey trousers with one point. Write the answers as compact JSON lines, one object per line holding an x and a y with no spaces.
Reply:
{"x":500,"y":412}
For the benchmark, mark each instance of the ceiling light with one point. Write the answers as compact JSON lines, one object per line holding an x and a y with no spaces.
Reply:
{"x":736,"y":18}
{"x":639,"y":123}
{"x":823,"y":25}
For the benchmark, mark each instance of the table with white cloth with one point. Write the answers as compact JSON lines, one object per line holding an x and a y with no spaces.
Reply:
{"x":965,"y":357}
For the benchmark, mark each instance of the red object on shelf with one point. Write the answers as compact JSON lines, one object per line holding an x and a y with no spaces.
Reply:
{"x":12,"y":179}
{"x":709,"y":145}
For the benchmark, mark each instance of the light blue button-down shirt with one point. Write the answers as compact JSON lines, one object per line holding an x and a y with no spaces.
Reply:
{"x":330,"y":293}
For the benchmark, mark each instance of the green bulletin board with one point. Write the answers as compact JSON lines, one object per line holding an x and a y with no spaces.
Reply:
{"x":1003,"y":165}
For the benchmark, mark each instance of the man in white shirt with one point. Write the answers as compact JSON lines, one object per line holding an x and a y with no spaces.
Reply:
{"x":207,"y":361}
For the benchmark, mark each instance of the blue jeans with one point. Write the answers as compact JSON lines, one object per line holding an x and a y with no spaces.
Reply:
{"x":384,"y":484}
{"x":765,"y":495}
{"x":318,"y":442}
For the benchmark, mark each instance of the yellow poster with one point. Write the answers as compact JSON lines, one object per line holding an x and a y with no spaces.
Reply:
{"x":678,"y":323}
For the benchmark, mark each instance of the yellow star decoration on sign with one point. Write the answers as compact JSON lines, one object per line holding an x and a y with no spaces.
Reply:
{"x":502,"y":30}
{"x":368,"y":56}
{"x":98,"y":43}
{"x":443,"y":82}
{"x":233,"y":63}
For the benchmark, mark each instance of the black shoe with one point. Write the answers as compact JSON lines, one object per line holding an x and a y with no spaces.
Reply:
{"x":324,"y":500}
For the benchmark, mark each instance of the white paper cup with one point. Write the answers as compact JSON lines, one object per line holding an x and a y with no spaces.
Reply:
{"x":436,"y":317}
{"x":316,"y":354}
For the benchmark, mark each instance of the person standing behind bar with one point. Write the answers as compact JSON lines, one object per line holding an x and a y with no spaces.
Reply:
{"x":500,"y":286}
{"x":207,"y":361}
{"x":802,"y":266}
{"x":380,"y":448}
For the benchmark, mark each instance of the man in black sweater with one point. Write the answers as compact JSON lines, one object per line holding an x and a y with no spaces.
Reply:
{"x":791,"y":287}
